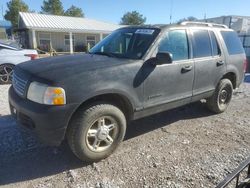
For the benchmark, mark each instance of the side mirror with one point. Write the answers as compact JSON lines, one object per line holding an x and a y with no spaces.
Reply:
{"x":163,"y":58}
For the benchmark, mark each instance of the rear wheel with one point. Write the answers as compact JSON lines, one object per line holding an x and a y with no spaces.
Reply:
{"x":6,"y":71}
{"x":95,"y":132}
{"x":222,"y":96}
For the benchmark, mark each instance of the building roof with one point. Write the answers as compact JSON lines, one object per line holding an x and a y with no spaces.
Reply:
{"x":235,"y":16}
{"x":63,"y":23}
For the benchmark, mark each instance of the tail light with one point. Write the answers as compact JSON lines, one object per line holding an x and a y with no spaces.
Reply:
{"x":32,"y":56}
{"x":245,"y":65}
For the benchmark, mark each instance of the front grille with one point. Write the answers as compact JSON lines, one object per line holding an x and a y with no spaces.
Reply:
{"x":19,"y":84}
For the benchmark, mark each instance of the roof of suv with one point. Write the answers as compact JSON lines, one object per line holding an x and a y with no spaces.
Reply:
{"x":183,"y":24}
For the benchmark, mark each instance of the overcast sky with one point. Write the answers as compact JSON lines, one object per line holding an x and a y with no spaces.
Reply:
{"x":156,"y":11}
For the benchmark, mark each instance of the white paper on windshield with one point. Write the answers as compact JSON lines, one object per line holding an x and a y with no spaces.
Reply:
{"x":145,"y":31}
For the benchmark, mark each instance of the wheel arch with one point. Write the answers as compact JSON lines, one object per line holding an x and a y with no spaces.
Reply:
{"x":232,"y":77}
{"x":117,"y":99}
{"x":8,"y":64}
{"x":12,"y":64}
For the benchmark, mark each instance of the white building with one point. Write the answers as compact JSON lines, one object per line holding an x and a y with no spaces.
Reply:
{"x":241,"y":24}
{"x":62,"y":33}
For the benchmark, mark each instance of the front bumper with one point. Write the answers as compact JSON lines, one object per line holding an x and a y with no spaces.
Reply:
{"x":49,"y":123}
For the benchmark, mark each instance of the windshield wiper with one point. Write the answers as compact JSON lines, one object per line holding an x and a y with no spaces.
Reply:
{"x":109,"y":54}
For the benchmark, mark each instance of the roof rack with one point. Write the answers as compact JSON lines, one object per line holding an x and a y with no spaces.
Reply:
{"x":203,"y":24}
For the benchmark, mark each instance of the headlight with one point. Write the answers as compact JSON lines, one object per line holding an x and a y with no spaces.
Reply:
{"x":43,"y":94}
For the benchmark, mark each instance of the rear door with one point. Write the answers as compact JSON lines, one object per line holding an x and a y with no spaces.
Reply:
{"x":209,"y":62}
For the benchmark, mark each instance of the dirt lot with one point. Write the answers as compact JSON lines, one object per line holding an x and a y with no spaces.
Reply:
{"x":185,"y":147}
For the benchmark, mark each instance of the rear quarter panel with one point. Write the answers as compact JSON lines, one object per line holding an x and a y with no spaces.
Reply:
{"x":12,"y":56}
{"x":235,"y":63}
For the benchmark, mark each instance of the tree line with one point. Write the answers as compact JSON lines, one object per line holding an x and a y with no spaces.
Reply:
{"x":55,"y":7}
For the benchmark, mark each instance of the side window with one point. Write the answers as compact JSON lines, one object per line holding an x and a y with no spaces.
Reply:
{"x":67,"y":40}
{"x":90,"y":41}
{"x":232,"y":42}
{"x":202,"y":45}
{"x":176,"y":43}
{"x":44,"y":41}
{"x":215,"y":46}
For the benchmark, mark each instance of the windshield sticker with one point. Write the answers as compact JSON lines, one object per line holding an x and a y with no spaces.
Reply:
{"x":145,"y":31}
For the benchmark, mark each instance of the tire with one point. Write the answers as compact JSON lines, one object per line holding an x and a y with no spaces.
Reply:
{"x":96,"y":131}
{"x":6,"y":71}
{"x":222,"y":96}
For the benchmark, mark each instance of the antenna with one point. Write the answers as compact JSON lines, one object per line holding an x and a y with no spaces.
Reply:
{"x":205,"y":17}
{"x":171,"y":11}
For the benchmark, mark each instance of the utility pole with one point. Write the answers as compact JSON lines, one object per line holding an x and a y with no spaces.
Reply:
{"x":205,"y":17}
{"x":2,"y":12}
{"x":171,"y":11}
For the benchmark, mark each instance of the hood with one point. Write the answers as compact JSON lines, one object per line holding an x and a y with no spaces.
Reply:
{"x":60,"y":67}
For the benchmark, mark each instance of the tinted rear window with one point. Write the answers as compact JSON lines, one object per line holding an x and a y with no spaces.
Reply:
{"x":202,"y":45}
{"x":232,"y":42}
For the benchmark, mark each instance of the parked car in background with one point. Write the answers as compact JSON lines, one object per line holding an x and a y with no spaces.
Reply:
{"x":11,"y":55}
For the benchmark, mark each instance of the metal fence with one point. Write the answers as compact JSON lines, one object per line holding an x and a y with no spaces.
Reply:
{"x":235,"y":176}
{"x":245,"y":39}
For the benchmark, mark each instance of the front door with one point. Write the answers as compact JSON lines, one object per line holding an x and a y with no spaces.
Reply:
{"x":170,"y":83}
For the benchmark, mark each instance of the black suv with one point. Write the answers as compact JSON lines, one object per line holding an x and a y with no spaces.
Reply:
{"x":132,"y":73}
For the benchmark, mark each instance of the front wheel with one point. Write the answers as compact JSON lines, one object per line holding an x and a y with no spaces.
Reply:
{"x":6,"y":71}
{"x":222,"y":96}
{"x":95,"y":132}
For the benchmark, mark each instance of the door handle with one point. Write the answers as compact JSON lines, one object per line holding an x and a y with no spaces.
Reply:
{"x":186,"y":69}
{"x":219,"y":63}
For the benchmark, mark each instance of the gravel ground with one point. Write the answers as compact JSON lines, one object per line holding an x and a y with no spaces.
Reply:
{"x":4,"y":107}
{"x":185,"y":147}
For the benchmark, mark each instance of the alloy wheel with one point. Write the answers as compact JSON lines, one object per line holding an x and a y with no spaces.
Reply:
{"x":101,"y":134}
{"x":6,"y":72}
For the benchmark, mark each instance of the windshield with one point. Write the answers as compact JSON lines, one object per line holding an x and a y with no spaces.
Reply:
{"x":131,"y":43}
